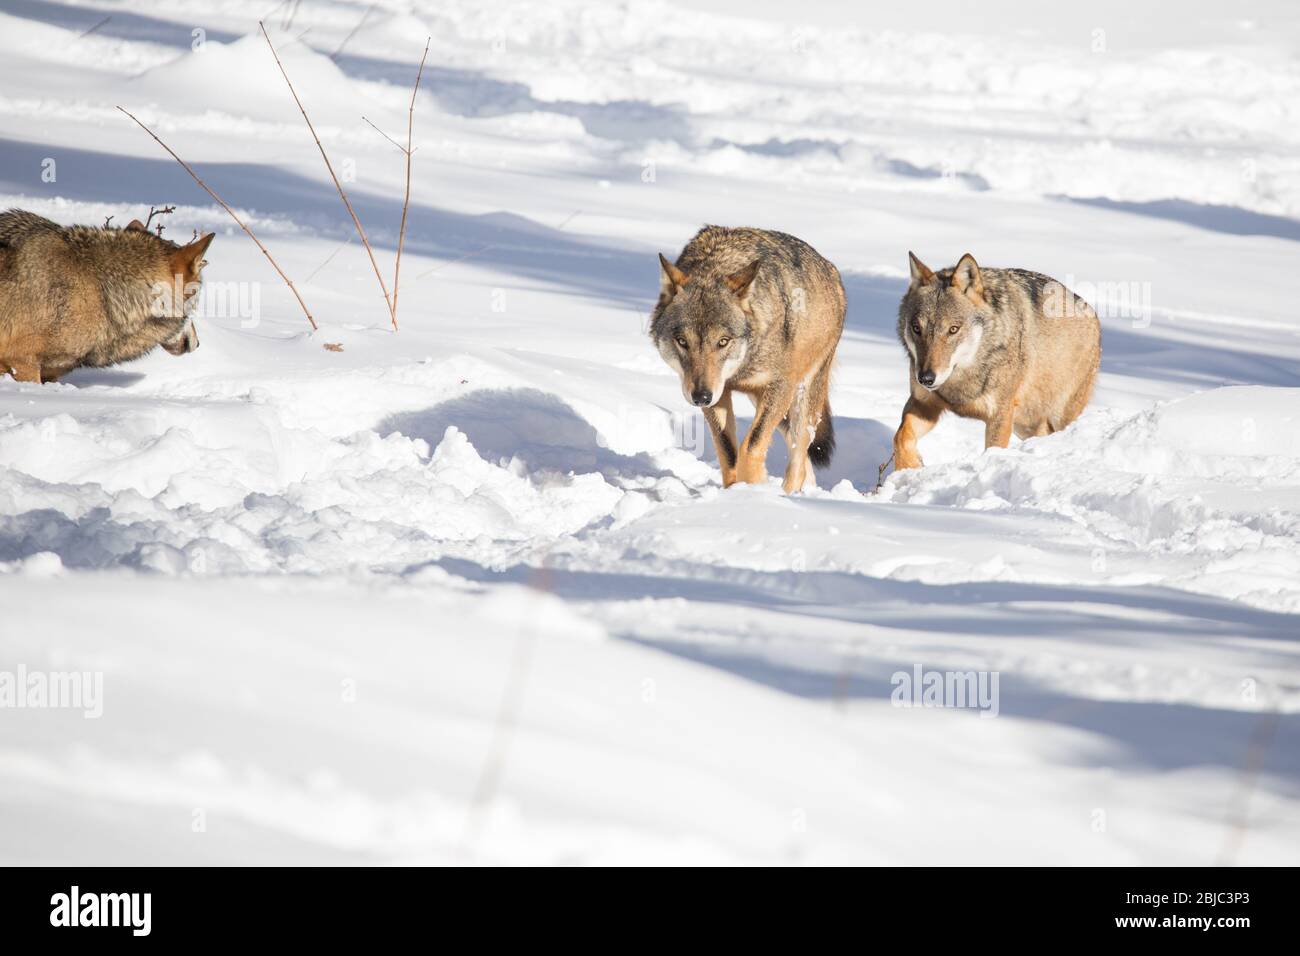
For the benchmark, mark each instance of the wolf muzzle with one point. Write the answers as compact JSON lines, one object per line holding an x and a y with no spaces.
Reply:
{"x":185,"y":342}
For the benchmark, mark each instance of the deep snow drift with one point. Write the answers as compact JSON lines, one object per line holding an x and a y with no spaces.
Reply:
{"x":471,"y":591}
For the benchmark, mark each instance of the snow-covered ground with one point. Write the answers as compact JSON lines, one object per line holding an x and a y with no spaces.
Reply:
{"x":471,"y":591}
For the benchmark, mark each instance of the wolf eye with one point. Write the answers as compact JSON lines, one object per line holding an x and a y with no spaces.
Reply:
{"x":723,"y":342}
{"x":681,"y":341}
{"x":954,"y":330}
{"x":916,"y":327}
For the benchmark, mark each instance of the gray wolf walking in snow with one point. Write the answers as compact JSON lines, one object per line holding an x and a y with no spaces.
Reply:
{"x":1013,"y":349}
{"x":756,"y":312}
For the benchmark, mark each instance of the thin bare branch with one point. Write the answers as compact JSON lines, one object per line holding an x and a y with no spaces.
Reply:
{"x":880,"y":472}
{"x":222,"y":203}
{"x":95,"y":27}
{"x":567,"y":219}
{"x":384,"y":135}
{"x":451,"y":262}
{"x":160,"y":212}
{"x":328,"y":259}
{"x":406,"y":200}
{"x":360,"y":23}
{"x":274,"y":9}
{"x":337,"y":185}
{"x":287,"y":24}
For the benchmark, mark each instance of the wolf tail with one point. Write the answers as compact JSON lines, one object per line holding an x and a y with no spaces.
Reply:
{"x":823,"y":443}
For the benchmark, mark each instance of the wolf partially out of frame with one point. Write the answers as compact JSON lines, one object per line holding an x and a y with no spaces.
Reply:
{"x":91,"y":296}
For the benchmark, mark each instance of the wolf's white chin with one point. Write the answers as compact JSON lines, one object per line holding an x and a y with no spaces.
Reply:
{"x":963,"y":355}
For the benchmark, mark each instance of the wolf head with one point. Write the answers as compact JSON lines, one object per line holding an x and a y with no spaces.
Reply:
{"x":701,"y":327}
{"x":941,"y":319}
{"x":176,"y":275}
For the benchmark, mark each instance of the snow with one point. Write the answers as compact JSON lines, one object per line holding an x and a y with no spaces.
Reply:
{"x":471,"y":591}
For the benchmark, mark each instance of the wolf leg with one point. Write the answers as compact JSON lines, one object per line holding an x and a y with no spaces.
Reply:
{"x":772,"y":405}
{"x":722,"y":423}
{"x":1032,"y":428}
{"x":798,"y":431}
{"x":1074,"y":407}
{"x":997,"y":430}
{"x":918,"y":419}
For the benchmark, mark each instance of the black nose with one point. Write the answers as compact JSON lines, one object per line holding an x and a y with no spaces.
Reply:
{"x":702,"y":396}
{"x":926,"y":378}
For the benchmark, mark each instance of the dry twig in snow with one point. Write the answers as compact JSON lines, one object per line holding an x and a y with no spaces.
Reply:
{"x":406,"y":200}
{"x":222,"y":203}
{"x":337,"y":185}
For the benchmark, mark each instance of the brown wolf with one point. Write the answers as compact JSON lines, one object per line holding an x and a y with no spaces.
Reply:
{"x":84,"y":295}
{"x":1014,"y":349}
{"x":758,"y":312}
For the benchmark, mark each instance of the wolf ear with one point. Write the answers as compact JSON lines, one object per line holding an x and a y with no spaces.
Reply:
{"x":739,"y":282}
{"x":189,"y":258}
{"x":136,"y":225}
{"x":921,"y":273}
{"x":966,"y":277}
{"x":673,"y":277}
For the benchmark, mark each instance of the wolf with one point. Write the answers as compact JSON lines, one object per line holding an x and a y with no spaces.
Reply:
{"x":757,"y":312}
{"x":1014,"y":349}
{"x":91,"y":296}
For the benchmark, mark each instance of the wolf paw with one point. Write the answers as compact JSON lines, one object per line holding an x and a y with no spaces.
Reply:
{"x":906,"y":458}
